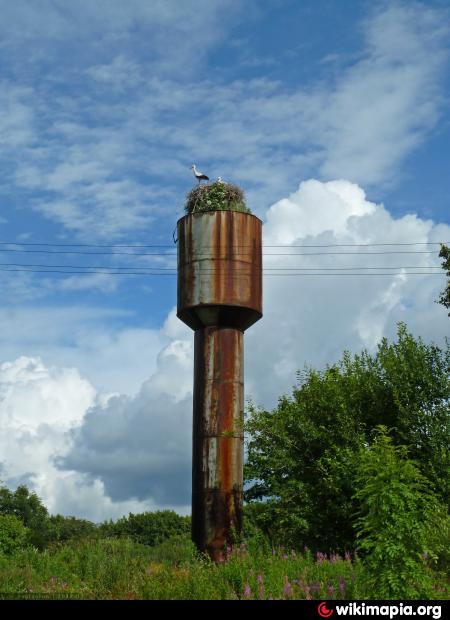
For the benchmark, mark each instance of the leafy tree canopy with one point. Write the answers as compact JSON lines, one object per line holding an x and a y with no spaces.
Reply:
{"x":149,"y":528}
{"x":303,"y":456}
{"x":444,"y":299}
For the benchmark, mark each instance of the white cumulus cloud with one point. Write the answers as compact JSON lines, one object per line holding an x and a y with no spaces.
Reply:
{"x":98,"y":454}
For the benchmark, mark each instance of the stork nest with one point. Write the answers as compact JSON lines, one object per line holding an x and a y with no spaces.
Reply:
{"x":217,"y":196}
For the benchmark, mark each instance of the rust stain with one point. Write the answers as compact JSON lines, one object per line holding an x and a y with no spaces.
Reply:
{"x":219,"y":296}
{"x":219,"y":269}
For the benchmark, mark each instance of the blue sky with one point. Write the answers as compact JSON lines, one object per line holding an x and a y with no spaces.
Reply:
{"x":333,"y":117}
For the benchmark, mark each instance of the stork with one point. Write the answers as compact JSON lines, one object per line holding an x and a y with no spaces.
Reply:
{"x":199,"y":175}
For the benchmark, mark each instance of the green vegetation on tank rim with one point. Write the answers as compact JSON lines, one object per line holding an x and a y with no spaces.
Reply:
{"x":217,"y":196}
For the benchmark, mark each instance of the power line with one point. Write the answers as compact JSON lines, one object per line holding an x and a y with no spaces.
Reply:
{"x":135,"y":267}
{"x":140,"y":273}
{"x":333,"y":245}
{"x":83,"y":253}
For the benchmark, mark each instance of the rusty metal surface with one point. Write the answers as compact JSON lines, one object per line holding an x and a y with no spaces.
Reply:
{"x":217,"y":438}
{"x":219,"y":296}
{"x":219,"y":269}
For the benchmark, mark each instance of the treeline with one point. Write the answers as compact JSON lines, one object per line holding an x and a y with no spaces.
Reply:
{"x":25,"y":521}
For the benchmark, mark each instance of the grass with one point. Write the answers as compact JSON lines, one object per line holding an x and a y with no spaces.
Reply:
{"x":217,"y":196}
{"x":122,"y":569}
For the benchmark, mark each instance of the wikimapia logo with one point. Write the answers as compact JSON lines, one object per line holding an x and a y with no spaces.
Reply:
{"x":398,"y":609}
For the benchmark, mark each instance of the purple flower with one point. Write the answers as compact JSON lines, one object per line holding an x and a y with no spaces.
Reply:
{"x":260,"y":579}
{"x":287,"y":590}
{"x":247,"y":591}
{"x":347,"y":556}
{"x":342,"y":585}
{"x":315,"y":587}
{"x":330,"y":589}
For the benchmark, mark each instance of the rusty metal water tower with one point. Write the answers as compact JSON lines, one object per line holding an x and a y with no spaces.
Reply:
{"x":219,"y":296}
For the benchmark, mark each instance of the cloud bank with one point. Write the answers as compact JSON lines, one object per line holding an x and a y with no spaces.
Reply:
{"x":100,"y":455}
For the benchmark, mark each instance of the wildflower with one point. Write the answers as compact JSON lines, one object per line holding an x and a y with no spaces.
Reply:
{"x":260,"y":587}
{"x":287,"y":590}
{"x":315,"y":587}
{"x":330,"y":589}
{"x":247,"y":591}
{"x":347,"y":556}
{"x":342,"y":585}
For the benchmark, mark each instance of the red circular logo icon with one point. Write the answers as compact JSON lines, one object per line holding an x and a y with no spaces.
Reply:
{"x":324,"y":611}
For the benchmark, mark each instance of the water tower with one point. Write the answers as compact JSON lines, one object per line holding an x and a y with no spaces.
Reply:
{"x":219,"y":297}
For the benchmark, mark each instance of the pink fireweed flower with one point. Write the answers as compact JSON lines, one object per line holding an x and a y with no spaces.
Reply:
{"x":287,"y":590}
{"x":347,"y":556}
{"x":330,"y":589}
{"x":260,"y":579}
{"x":342,"y":585}
{"x":247,"y":591}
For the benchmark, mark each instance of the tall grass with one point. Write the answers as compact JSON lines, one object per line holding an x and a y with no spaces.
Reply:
{"x":122,"y":569}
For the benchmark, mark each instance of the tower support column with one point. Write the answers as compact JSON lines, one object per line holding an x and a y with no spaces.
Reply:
{"x":217,"y":438}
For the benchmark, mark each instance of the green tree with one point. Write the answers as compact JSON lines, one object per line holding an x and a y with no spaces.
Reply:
{"x":149,"y":528}
{"x":13,"y":534}
{"x":61,"y":528}
{"x":444,"y":298}
{"x":26,"y":506}
{"x":302,"y":456}
{"x":398,"y":520}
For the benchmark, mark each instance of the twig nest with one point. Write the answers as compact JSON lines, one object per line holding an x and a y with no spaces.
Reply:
{"x":217,"y":196}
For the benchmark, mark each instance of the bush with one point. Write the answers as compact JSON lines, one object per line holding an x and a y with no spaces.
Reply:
{"x":150,"y":528}
{"x":398,"y":520}
{"x":13,"y":534}
{"x":216,"y":196}
{"x":62,"y":528}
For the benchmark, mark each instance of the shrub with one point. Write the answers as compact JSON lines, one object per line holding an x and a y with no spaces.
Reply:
{"x":398,"y":520}
{"x":151,"y":528}
{"x":13,"y":534}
